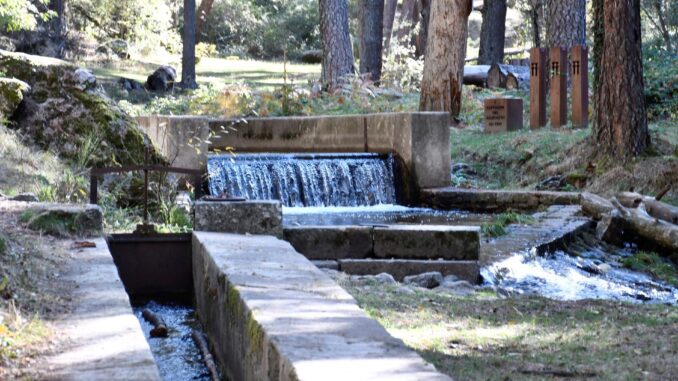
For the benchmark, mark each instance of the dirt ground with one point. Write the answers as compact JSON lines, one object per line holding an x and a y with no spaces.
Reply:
{"x":32,"y":295}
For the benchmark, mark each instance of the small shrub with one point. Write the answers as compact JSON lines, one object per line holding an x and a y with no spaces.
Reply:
{"x":497,"y":228}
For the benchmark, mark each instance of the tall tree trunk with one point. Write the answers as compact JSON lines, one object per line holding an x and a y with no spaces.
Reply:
{"x":537,"y":21}
{"x":371,"y":37}
{"x":620,"y":120}
{"x":337,"y":51}
{"x":409,"y":17}
{"x":203,"y":12}
{"x":566,"y":23}
{"x":492,"y":32}
{"x":446,"y":52}
{"x":422,"y":37}
{"x":390,"y":7}
{"x":188,"y":54}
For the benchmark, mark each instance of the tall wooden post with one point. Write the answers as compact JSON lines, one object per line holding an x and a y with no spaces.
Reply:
{"x":537,"y":88}
{"x":558,"y":82}
{"x":580,"y":86}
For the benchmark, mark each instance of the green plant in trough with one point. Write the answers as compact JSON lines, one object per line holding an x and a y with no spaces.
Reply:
{"x":653,"y":264}
{"x":497,"y":227}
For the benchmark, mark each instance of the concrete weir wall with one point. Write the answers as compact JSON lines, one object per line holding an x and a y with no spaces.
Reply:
{"x":272,"y":315}
{"x":421,"y":141}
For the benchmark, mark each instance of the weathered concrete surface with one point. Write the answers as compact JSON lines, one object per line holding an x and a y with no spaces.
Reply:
{"x":64,"y":219}
{"x":272,"y":315}
{"x":420,"y":140}
{"x":330,"y":242}
{"x":427,"y":242}
{"x":494,"y":200}
{"x":104,"y":339}
{"x":248,"y":217}
{"x":553,"y":228}
{"x":400,"y":268}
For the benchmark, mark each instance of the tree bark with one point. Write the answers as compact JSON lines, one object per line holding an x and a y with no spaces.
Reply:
{"x":537,"y":21}
{"x":390,"y":7}
{"x":337,"y":51}
{"x":621,"y":119}
{"x":492,"y":32}
{"x":422,"y":38}
{"x":446,"y":52}
{"x":566,"y":23}
{"x":371,"y":38}
{"x":188,"y":54}
{"x":203,"y":12}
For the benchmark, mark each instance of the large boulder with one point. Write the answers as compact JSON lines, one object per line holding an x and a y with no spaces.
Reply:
{"x":162,"y":79}
{"x":12,"y":92}
{"x":66,"y":110}
{"x":64,"y":219}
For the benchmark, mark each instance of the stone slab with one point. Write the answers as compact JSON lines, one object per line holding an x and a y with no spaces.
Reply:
{"x":330,"y":242}
{"x":493,"y":201}
{"x":427,"y":242}
{"x":104,"y":340}
{"x":400,"y":268}
{"x":272,"y":315}
{"x":247,"y":217}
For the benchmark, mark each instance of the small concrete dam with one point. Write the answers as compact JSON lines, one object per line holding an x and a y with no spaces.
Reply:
{"x":248,"y":289}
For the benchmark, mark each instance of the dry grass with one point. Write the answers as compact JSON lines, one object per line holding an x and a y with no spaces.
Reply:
{"x":483,"y":337}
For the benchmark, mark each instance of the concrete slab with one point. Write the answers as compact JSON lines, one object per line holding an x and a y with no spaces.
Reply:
{"x":272,"y":315}
{"x":427,"y":242}
{"x":494,"y":200}
{"x":330,"y":242}
{"x":104,"y":339}
{"x":400,"y":268}
{"x":241,"y":217}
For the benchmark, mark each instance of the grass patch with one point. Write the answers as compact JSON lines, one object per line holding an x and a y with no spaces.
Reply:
{"x":483,"y":337}
{"x":497,"y":227}
{"x":49,"y":222}
{"x":653,"y":264}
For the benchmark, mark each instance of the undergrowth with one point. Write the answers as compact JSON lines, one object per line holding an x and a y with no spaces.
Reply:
{"x":497,"y":227}
{"x":653,"y":264}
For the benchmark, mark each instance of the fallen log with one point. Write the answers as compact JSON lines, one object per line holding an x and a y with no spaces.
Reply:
{"x":201,"y":343}
{"x":499,"y":74}
{"x":654,"y":208}
{"x":595,"y":206}
{"x":476,"y":75}
{"x":635,"y":225}
{"x":159,"y":326}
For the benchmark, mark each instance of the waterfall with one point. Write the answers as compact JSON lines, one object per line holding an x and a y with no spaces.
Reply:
{"x":305,"y":179}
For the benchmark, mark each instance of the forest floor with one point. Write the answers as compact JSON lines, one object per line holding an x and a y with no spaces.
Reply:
{"x":483,"y":336}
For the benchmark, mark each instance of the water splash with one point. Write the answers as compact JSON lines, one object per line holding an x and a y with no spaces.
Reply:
{"x":302,"y":180}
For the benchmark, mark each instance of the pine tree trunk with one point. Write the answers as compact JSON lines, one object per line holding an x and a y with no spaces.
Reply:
{"x":446,"y":52}
{"x":372,"y":28}
{"x":422,"y":37}
{"x":203,"y":12}
{"x":337,"y":51}
{"x":537,"y":22}
{"x":620,"y":120}
{"x":492,"y":32}
{"x":566,"y":23}
{"x":389,"y":18}
{"x":188,"y":54}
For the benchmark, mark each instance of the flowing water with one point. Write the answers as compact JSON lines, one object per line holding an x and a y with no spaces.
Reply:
{"x":305,"y":179}
{"x":587,"y":269}
{"x":177,"y":356}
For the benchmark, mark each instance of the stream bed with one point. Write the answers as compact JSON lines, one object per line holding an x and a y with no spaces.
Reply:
{"x":177,"y":355}
{"x":586,"y":269}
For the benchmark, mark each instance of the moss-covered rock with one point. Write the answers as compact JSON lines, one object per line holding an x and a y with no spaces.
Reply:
{"x":12,"y":92}
{"x":66,"y":112}
{"x":64,"y":219}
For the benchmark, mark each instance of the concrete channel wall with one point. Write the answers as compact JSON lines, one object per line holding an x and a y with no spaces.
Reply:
{"x":421,"y":141}
{"x":271,"y":314}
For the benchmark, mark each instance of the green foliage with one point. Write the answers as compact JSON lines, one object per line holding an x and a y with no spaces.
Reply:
{"x":16,"y":15}
{"x":497,"y":228}
{"x":653,"y":264}
{"x":660,"y":68}
{"x":403,"y":70}
{"x":49,"y":223}
{"x":3,"y":244}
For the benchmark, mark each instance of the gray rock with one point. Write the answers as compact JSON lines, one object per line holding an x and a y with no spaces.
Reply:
{"x":383,"y":278}
{"x":12,"y":92}
{"x":249,"y":217}
{"x":426,"y":280}
{"x":25,"y":197}
{"x":85,"y":79}
{"x":404,"y":290}
{"x":130,"y":84}
{"x":64,"y":219}
{"x":461,"y":287}
{"x":162,"y":79}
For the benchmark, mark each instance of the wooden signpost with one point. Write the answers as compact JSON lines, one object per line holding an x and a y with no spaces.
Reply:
{"x":537,"y":88}
{"x":580,"y":86}
{"x":503,"y":114}
{"x":558,"y":82}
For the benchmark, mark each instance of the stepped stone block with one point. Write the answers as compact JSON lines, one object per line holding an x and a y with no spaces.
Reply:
{"x":330,"y":242}
{"x":427,"y":242}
